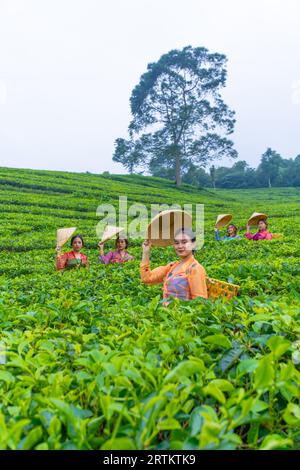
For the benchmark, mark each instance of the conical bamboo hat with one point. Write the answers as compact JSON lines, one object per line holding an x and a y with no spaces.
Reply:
{"x":63,"y":235}
{"x":223,"y":219}
{"x":256,"y":217}
{"x":110,"y":231}
{"x":163,"y":226}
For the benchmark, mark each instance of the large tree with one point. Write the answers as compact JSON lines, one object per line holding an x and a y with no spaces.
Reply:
{"x":269,"y":167}
{"x":179,"y":117}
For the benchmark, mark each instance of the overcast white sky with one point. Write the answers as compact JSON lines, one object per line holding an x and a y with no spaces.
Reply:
{"x":67,"y":69}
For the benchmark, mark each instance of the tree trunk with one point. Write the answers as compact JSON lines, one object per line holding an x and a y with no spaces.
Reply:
{"x":270,"y":186}
{"x":178,"y":171}
{"x":213,"y":176}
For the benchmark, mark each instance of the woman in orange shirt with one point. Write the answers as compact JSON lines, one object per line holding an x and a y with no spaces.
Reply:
{"x":183,"y":279}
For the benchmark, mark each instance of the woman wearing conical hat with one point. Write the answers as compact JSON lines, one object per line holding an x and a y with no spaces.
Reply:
{"x":71,"y":259}
{"x":262,"y":233}
{"x":184,"y":279}
{"x":119,"y":255}
{"x":231,"y":233}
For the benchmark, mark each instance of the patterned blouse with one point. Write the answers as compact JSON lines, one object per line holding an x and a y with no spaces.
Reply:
{"x":69,"y":260}
{"x":263,"y":235}
{"x":187,"y":283}
{"x":115,"y":257}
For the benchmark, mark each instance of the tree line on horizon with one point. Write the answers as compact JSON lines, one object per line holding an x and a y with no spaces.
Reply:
{"x":272,"y":171}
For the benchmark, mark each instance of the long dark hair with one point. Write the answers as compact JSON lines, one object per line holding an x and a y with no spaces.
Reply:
{"x":76,"y":236}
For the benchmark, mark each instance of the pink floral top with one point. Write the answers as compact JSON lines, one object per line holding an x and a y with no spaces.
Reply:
{"x":115,"y":257}
{"x":263,"y":235}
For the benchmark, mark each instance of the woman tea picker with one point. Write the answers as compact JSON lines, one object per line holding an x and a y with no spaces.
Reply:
{"x":231,"y":234}
{"x":183,"y":279}
{"x":120,"y":254}
{"x":72,"y":259}
{"x":261,"y":221}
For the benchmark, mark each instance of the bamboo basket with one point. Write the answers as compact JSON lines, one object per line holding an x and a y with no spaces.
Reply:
{"x":277,"y":235}
{"x":217,"y":288}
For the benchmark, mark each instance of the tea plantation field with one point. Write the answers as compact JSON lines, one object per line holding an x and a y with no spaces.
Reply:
{"x":91,"y":360}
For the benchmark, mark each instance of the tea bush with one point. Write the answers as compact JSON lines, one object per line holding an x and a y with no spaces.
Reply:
{"x":93,"y":359}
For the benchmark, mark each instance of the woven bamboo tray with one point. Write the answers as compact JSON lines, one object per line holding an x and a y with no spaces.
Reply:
{"x":277,"y":235}
{"x":217,"y":288}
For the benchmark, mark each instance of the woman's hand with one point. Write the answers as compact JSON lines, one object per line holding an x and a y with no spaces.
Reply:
{"x":146,"y":251}
{"x":101,"y":246}
{"x":248,"y":228}
{"x":146,"y":247}
{"x":58,"y":249}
